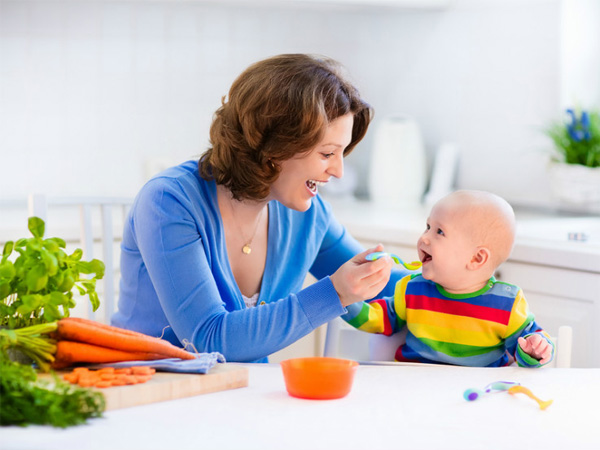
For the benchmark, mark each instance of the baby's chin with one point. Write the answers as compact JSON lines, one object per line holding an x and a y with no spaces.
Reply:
{"x":425,"y":273}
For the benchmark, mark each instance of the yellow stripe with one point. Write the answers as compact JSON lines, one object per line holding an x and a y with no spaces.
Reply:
{"x":445,"y":320}
{"x":375,"y":322}
{"x":455,"y":330}
{"x":518,"y":315}
{"x":399,"y":297}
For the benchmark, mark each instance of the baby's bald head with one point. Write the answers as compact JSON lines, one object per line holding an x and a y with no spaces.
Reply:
{"x":487,"y":218}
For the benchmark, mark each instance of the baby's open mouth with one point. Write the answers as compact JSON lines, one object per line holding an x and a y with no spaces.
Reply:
{"x":314,"y":185}
{"x":425,"y":257}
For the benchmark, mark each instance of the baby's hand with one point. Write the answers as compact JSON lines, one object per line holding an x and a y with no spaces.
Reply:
{"x":538,"y":347}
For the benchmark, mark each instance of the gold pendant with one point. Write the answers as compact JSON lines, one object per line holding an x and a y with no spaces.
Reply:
{"x":246,"y":249}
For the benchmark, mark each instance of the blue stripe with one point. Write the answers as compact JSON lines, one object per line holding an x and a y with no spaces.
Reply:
{"x":501,"y":296}
{"x":415,"y":349}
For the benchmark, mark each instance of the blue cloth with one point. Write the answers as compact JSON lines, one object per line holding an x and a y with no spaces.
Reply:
{"x":175,"y":273}
{"x":202,"y":364}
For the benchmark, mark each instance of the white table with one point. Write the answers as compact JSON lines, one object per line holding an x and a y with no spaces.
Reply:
{"x":400,"y":406}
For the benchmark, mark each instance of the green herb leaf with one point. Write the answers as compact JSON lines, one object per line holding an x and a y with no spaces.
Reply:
{"x":27,"y":400}
{"x":36,"y":226}
{"x":7,"y":270}
{"x":37,"y":278}
{"x":8,"y":248}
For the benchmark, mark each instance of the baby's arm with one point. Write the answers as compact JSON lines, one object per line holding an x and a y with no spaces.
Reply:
{"x":386,"y":315}
{"x":537,"y":347}
{"x":529,"y":344}
{"x":375,"y":316}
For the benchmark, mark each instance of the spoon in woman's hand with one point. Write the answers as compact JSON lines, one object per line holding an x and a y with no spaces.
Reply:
{"x":410,"y":266}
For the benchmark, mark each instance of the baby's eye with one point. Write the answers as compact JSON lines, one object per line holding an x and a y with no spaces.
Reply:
{"x":427,"y":227}
{"x":440,"y":231}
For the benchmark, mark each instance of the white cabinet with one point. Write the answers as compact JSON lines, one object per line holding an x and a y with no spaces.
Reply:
{"x":559,"y":296}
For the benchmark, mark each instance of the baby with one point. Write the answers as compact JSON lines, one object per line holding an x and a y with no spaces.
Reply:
{"x":455,"y":311}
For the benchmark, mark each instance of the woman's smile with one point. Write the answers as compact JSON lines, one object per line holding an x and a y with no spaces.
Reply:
{"x":313,"y":186}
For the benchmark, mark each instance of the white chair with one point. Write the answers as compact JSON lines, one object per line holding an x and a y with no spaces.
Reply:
{"x":563,"y":343}
{"x":99,"y":221}
{"x":344,"y":341}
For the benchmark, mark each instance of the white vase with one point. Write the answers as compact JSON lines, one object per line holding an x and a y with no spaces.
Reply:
{"x":398,"y":173}
{"x":575,"y":184}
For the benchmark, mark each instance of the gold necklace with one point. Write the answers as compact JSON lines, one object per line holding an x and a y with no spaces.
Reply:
{"x":246,"y":248}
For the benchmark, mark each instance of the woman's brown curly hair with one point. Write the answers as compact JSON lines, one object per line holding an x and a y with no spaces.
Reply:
{"x":277,"y":108}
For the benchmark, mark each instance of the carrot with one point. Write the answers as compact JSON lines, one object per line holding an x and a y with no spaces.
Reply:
{"x":107,"y":377}
{"x":129,"y":379}
{"x":142,"y":378}
{"x":103,"y":325}
{"x":142,"y":370}
{"x":88,"y":331}
{"x":69,"y":353}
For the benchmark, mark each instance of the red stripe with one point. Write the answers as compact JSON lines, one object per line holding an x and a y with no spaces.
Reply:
{"x":387,"y":326}
{"x":457,"y":308}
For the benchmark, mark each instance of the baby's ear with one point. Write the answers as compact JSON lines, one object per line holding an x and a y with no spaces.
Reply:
{"x":480,"y":258}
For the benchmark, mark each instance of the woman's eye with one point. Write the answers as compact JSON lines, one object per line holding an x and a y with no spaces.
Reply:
{"x":328,"y":155}
{"x":440,"y":231}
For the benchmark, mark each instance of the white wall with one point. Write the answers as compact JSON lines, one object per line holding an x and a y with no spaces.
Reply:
{"x":92,"y":93}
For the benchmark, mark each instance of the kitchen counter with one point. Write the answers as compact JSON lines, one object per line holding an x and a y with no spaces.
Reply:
{"x":397,"y":406}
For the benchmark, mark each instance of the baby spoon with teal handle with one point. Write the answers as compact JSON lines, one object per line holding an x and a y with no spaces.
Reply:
{"x":410,"y":266}
{"x":474,"y":394}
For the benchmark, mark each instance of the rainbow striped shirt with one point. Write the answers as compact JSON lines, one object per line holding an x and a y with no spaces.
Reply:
{"x":478,"y":329}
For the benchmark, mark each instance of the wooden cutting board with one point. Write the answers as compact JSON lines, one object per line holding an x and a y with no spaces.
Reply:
{"x":170,"y":386}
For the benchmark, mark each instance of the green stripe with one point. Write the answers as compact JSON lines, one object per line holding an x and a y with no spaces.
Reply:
{"x":457,"y":350}
{"x":530,"y":318}
{"x":361,"y":318}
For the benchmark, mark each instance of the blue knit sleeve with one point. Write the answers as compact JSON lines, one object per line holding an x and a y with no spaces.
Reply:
{"x":178,"y":280}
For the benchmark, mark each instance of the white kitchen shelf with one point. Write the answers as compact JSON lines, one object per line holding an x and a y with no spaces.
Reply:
{"x":340,"y":4}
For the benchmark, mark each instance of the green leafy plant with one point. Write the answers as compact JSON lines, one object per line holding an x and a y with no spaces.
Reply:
{"x":38,"y":286}
{"x":577,"y":139}
{"x":27,"y":399}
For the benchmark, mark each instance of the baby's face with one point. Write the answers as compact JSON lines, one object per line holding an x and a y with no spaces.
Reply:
{"x":446,"y":247}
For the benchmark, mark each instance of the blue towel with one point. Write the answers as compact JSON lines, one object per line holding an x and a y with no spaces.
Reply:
{"x":202,"y":364}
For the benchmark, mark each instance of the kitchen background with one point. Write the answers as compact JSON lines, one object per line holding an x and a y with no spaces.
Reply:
{"x":97,"y":95}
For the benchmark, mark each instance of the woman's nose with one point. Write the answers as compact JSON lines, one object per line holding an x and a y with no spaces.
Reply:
{"x":336,"y":167}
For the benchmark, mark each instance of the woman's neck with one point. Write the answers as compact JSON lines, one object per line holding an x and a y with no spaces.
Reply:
{"x":242,"y":211}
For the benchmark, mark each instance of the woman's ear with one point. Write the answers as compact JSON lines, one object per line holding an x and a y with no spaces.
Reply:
{"x":480,"y":258}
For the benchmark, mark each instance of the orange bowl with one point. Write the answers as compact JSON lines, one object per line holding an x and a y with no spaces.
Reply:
{"x":318,"y":377}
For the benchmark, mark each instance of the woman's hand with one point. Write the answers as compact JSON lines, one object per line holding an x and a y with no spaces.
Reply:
{"x":359,"y":279}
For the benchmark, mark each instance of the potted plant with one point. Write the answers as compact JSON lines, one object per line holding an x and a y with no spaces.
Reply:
{"x":37,"y":287}
{"x":575,"y":167}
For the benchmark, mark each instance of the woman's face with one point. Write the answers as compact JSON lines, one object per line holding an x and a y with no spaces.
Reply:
{"x":302,"y":175}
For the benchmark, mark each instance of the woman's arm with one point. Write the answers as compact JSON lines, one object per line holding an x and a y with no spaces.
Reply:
{"x":200,"y":302}
{"x":338,"y":247}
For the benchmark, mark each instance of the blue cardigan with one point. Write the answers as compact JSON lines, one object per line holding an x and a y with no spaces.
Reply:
{"x":176,"y":281}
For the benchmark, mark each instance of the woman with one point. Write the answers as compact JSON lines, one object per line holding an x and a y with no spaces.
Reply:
{"x":206,"y":241}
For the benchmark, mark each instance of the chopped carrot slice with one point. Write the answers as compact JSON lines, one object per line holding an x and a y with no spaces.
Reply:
{"x":142,"y":370}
